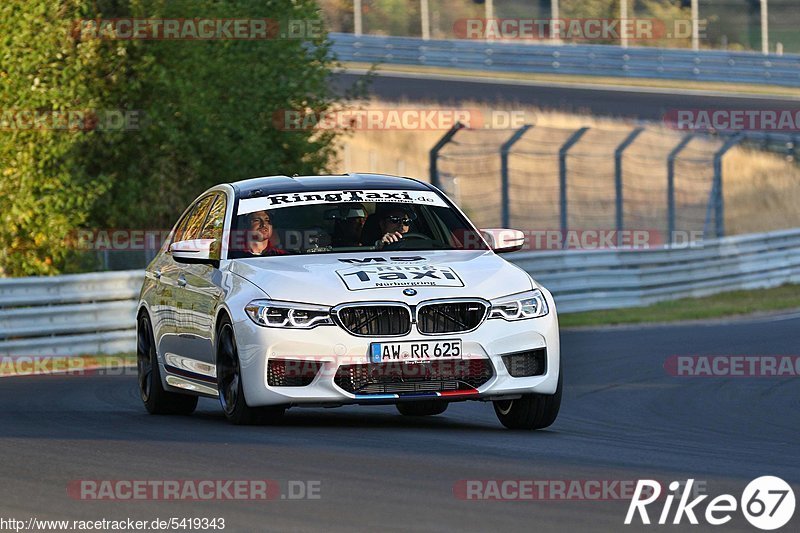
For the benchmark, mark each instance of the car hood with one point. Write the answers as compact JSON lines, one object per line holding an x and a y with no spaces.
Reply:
{"x":331,"y":279}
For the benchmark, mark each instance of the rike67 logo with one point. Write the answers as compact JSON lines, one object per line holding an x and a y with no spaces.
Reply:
{"x":767,"y":503}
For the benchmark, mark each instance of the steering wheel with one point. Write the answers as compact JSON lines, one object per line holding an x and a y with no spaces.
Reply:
{"x":411,"y":235}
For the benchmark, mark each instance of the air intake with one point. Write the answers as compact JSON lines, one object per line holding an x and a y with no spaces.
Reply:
{"x":526,"y":364}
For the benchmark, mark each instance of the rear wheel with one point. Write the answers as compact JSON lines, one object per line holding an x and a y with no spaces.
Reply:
{"x":422,"y":408}
{"x":156,"y":400}
{"x":532,"y":411}
{"x":229,"y":384}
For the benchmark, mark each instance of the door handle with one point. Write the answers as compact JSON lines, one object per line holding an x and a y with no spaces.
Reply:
{"x":181,"y":281}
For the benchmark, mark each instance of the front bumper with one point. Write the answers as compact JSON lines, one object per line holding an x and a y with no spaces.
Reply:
{"x":333,"y":347}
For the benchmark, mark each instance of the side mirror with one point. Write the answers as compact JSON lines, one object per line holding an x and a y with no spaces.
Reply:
{"x":196,"y":251}
{"x":504,"y":240}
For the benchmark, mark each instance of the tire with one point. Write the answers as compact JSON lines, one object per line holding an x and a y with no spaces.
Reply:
{"x":532,"y":411}
{"x":229,"y":384}
{"x":422,"y":408}
{"x":156,"y":400}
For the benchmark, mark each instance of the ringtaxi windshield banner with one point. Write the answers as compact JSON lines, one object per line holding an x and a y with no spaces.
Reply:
{"x":276,"y":201}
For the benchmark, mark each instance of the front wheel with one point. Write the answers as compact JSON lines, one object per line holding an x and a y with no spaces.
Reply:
{"x":156,"y":400}
{"x":229,"y":384}
{"x":532,"y":411}
{"x":422,"y":408}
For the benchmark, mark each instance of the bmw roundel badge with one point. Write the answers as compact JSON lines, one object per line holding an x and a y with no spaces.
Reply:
{"x":409,"y":292}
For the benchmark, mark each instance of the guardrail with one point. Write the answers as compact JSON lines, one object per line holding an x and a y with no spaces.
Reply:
{"x":72,"y":314}
{"x":94,"y":313}
{"x":584,"y":280}
{"x":599,"y":60}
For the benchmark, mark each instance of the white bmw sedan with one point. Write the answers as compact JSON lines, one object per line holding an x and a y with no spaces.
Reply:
{"x":283,"y":292}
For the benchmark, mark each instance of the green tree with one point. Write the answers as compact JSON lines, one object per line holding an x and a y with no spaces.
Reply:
{"x":205,"y":111}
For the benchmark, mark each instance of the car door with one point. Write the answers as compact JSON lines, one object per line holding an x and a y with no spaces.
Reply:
{"x":180,"y":340}
{"x":202,"y":288}
{"x":166,"y":272}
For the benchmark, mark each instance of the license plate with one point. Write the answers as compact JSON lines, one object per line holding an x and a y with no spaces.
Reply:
{"x":414,"y":351}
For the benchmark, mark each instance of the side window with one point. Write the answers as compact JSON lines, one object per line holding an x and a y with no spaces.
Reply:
{"x":212,"y":229}
{"x":180,"y":227}
{"x":195,"y":222}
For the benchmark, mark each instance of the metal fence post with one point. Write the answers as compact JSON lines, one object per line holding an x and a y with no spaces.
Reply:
{"x":505,"y":210}
{"x":716,"y":189}
{"x":562,"y":177}
{"x":434,"y":154}
{"x":618,"y":179}
{"x":671,"y":185}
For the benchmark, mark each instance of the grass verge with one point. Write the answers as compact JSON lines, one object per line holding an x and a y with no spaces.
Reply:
{"x":721,"y":305}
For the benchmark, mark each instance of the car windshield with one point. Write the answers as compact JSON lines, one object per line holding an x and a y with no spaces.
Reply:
{"x":311,"y":223}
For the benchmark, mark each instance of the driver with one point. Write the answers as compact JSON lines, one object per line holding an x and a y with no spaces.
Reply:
{"x":394,"y":222}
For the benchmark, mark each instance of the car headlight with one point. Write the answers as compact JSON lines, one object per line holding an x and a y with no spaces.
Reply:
{"x":520,"y":306}
{"x":287,"y":314}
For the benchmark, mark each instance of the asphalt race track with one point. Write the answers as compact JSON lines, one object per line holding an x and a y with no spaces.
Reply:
{"x":643,"y":104}
{"x":623,"y":418}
